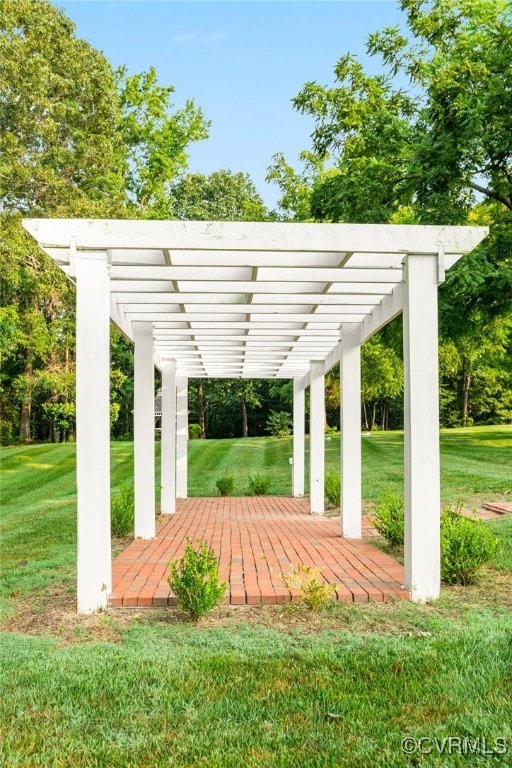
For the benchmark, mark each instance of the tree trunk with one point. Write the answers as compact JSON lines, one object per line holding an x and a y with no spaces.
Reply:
{"x":466,"y":384}
{"x":26,"y":403}
{"x":374,"y":415}
{"x":245,"y":430}
{"x":200,"y":409}
{"x":365,"y":416}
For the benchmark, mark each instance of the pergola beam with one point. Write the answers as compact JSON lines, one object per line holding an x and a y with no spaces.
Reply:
{"x":254,"y":236}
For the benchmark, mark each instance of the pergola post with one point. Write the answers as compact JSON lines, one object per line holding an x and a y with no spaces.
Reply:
{"x":94,"y":569}
{"x":421,"y":428}
{"x":316,"y":437}
{"x":299,"y":399}
{"x":350,"y":427}
{"x":181,"y":436}
{"x":144,"y":431}
{"x":168,"y":438}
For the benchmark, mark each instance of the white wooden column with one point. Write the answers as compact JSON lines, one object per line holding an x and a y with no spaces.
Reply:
{"x":94,"y":568}
{"x":181,"y":436}
{"x":316,"y":437}
{"x":144,"y":431}
{"x":421,"y":425}
{"x":168,"y":440}
{"x":298,"y":437}
{"x":350,"y":424}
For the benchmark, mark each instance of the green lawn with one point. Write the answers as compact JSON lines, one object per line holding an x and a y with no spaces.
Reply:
{"x":276,"y":686}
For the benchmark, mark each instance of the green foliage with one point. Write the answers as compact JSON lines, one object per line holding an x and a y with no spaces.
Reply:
{"x":466,"y":545}
{"x":156,"y":138}
{"x":225,"y":484}
{"x":388,"y":519}
{"x":194,"y":431}
{"x":259,"y":484}
{"x":313,"y":591}
{"x":333,"y":488}
{"x":221,"y":196}
{"x":122,"y":511}
{"x":59,"y":151}
{"x":195,"y":579}
{"x":279,"y":424}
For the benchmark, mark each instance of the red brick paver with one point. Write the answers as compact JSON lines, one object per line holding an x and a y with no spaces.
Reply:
{"x":256,"y":539}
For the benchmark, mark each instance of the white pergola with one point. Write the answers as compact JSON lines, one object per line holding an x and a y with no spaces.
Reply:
{"x":253,"y":300}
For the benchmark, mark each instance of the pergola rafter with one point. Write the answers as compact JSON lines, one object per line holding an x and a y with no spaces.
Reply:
{"x":253,"y":300}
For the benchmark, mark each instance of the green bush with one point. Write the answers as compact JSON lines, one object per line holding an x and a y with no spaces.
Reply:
{"x":122,"y":511}
{"x":194,"y":431}
{"x":333,"y":488}
{"x":389,"y":519}
{"x":466,"y":545}
{"x":279,"y":424}
{"x":195,"y":579}
{"x":225,"y":484}
{"x":259,"y":484}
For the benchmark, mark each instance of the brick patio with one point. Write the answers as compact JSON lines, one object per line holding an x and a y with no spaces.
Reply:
{"x":256,"y":540}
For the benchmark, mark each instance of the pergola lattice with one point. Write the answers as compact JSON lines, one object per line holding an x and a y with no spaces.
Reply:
{"x":253,"y":300}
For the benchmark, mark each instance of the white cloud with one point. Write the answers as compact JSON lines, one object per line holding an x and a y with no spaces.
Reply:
{"x":215,"y":36}
{"x":184,"y":37}
{"x":194,"y":37}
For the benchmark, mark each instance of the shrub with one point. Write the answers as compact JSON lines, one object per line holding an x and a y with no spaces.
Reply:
{"x":225,"y":484}
{"x":195,"y":579}
{"x":331,"y":430}
{"x":259,"y":484}
{"x":194,"y":431}
{"x":122,"y":511}
{"x":333,"y":488}
{"x":305,"y":579}
{"x":389,"y":519}
{"x":279,"y":424}
{"x":466,"y":545}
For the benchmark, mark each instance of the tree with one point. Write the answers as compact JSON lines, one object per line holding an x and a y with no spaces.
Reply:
{"x":427,"y":140}
{"x":438,"y":146}
{"x":221,"y":196}
{"x":382,"y":377}
{"x":155,"y":137}
{"x":59,"y":114}
{"x":75,"y":140}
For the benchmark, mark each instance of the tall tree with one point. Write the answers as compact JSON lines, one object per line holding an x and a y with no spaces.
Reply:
{"x":221,"y":196}
{"x":440,"y":144}
{"x":155,"y":136}
{"x":75,"y":140}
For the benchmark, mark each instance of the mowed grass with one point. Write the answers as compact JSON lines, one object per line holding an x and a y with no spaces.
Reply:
{"x":475,"y":463}
{"x":250,"y":696}
{"x":281,"y":688}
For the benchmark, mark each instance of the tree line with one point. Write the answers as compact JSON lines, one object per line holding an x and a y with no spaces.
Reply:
{"x":427,"y":140}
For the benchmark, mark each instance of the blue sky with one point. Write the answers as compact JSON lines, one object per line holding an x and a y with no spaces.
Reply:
{"x":240,"y":61}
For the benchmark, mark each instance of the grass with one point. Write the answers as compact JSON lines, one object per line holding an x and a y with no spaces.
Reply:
{"x":254,"y":697}
{"x":276,"y":686}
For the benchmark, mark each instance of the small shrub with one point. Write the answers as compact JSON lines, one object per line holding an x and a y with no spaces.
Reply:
{"x":259,"y":484}
{"x":195,"y":579}
{"x":225,"y":484}
{"x":331,"y":430}
{"x":389,"y":519}
{"x":466,"y":545}
{"x":333,"y":488}
{"x":122,"y":511}
{"x":194,"y":431}
{"x":279,"y":424}
{"x":312,"y":591}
